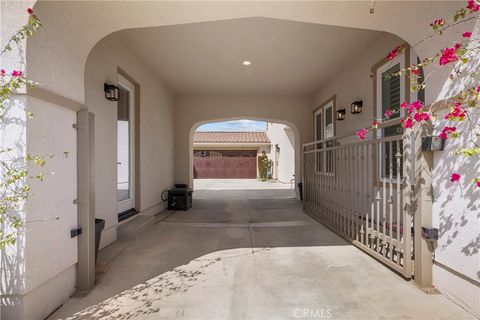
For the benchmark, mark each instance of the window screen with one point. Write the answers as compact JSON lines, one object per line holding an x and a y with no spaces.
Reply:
{"x":391,"y":95}
{"x":123,"y":108}
{"x":391,"y":91}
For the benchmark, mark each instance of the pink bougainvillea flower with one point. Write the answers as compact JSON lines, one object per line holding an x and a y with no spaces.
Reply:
{"x":2,"y":72}
{"x":466,"y":34}
{"x":456,"y":113}
{"x":404,"y":105}
{"x":421,"y":116}
{"x":415,"y":70}
{"x":448,"y":55}
{"x":446,"y":131}
{"x":388,"y":113}
{"x":414,"y":106}
{"x":362,"y":133}
{"x":478,"y":89}
{"x":392,"y":54}
{"x":455,"y":177}
{"x":478,"y":183}
{"x":417,"y":105}
{"x":449,"y":129}
{"x":473,"y":6}
{"x":17,"y":73}
{"x":437,"y":23}
{"x":375,"y":124}
{"x":408,"y":123}
{"x":30,"y":11}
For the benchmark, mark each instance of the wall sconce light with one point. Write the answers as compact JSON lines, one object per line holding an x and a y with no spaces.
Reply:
{"x":111,"y":92}
{"x":357,"y":107}
{"x":341,"y":114}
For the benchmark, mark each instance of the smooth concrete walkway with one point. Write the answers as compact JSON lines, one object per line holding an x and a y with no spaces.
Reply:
{"x":249,"y":254}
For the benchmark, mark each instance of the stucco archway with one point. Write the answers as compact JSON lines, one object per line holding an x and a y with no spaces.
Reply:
{"x":296,"y":133}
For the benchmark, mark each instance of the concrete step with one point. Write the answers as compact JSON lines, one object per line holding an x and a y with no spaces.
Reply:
{"x":130,"y":229}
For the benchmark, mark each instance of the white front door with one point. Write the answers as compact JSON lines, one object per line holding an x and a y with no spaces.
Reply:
{"x":125,"y":145}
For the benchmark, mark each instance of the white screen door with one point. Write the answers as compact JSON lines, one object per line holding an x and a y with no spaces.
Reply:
{"x":125,"y":145}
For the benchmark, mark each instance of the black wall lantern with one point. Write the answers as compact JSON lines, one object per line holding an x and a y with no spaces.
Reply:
{"x":341,"y":114}
{"x":357,"y":107}
{"x":111,"y":92}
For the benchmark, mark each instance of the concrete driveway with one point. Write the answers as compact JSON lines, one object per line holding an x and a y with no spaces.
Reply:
{"x":240,"y":184}
{"x":249,"y":254}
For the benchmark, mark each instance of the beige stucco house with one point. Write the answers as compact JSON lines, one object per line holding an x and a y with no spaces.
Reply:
{"x":179,"y":65}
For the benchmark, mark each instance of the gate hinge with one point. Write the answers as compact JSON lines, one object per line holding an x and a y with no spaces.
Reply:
{"x":79,"y":201}
{"x":77,"y":126}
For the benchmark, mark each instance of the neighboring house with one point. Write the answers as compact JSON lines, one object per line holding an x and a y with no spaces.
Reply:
{"x":282,"y":151}
{"x":230,"y":155}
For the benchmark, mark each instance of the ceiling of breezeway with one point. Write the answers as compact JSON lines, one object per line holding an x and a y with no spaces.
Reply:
{"x":286,"y":57}
{"x":72,"y":28}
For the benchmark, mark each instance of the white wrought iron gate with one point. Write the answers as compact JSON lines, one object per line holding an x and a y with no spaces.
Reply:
{"x":357,"y":188}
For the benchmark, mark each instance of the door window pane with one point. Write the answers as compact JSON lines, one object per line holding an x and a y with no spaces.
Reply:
{"x":329,"y":122}
{"x":318,"y":136}
{"x":324,"y":129}
{"x":123,"y":145}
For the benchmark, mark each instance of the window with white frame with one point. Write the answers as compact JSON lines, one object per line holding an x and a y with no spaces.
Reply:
{"x":324,"y":129}
{"x":390,"y":94}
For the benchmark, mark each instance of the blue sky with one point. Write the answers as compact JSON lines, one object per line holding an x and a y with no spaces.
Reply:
{"x":235,"y":125}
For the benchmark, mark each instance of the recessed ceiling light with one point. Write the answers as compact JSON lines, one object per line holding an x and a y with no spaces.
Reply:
{"x":247,"y":63}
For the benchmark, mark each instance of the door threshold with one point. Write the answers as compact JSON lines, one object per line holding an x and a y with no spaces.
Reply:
{"x":122,"y":216}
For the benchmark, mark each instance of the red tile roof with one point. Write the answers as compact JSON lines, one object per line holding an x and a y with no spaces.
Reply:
{"x":231,"y":137}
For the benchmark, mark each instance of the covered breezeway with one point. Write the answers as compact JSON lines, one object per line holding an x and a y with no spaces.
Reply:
{"x":184,"y":63}
{"x":247,"y":251}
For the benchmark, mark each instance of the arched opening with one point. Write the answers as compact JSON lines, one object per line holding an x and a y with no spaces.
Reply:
{"x":276,"y":133}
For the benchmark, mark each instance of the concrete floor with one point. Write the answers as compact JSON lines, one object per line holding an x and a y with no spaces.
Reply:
{"x":248,"y":254}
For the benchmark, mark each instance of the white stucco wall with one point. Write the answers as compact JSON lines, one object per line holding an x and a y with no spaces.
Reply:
{"x":355,"y":83}
{"x":283,"y":136}
{"x":156,"y":132}
{"x":456,"y":206}
{"x":33,"y":268}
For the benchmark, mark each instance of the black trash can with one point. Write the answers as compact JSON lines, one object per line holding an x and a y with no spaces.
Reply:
{"x":99,"y":226}
{"x":300,"y":190}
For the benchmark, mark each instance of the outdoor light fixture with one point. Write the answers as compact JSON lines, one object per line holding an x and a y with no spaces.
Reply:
{"x":341,"y":114}
{"x":357,"y":107}
{"x":111,"y":92}
{"x":247,"y":63}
